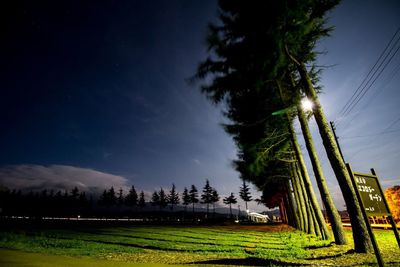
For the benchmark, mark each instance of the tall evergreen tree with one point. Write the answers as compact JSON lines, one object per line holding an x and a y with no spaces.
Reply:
{"x":173,"y":197}
{"x":194,"y":197}
{"x":185,"y":198}
{"x":120,"y":198}
{"x":142,"y":200}
{"x":229,"y":200}
{"x":206,"y":196}
{"x":332,"y":212}
{"x":74,"y":193}
{"x":214,"y":199}
{"x":103,"y":199}
{"x":276,"y":35}
{"x":155,"y":199}
{"x":131,"y":199}
{"x":244,"y":193}
{"x":163,"y":199}
{"x":111,"y":197}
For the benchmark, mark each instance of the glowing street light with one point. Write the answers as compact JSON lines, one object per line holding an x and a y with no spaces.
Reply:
{"x":306,"y":104}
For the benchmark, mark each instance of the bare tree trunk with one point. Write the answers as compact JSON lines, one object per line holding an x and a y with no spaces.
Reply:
{"x":316,"y":225}
{"x":293,"y":220}
{"x":299,"y":215}
{"x":308,"y":186}
{"x":310,"y":222}
{"x":299,"y":199}
{"x":362,"y":240}
{"x":331,"y":210}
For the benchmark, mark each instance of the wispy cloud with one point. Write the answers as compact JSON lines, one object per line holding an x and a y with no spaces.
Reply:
{"x":196,"y":161}
{"x":58,"y":177}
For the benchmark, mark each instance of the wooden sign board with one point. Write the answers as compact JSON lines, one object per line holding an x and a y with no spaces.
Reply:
{"x":371,"y":194}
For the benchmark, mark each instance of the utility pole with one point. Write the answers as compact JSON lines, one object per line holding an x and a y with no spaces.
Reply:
{"x":336,"y":138}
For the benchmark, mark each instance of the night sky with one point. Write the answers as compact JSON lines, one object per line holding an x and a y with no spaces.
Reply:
{"x":95,"y":93}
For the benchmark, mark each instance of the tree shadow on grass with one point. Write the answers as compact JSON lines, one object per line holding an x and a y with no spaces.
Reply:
{"x":194,"y":243}
{"x":319,"y":246}
{"x":251,"y":261}
{"x":150,"y":247}
{"x":351,"y":251}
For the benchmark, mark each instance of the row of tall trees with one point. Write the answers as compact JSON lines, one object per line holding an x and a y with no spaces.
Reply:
{"x":209,"y":196}
{"x":71,"y":203}
{"x":261,"y":64}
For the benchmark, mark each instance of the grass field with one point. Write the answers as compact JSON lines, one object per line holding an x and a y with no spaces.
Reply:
{"x":273,"y":245}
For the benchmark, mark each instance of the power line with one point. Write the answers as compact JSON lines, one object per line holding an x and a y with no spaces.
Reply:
{"x":391,"y":76}
{"x":389,"y":79}
{"x":370,"y":85}
{"x":392,"y":124}
{"x":346,"y":106}
{"x":371,"y":135}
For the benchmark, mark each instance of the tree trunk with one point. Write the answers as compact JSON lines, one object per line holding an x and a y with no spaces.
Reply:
{"x":282,"y":209}
{"x":293,"y":220}
{"x":299,"y":199}
{"x":362,"y":240}
{"x":316,"y":225}
{"x":308,"y":186}
{"x":326,"y":198}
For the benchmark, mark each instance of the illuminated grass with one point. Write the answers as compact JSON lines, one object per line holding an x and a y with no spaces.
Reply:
{"x":184,"y":244}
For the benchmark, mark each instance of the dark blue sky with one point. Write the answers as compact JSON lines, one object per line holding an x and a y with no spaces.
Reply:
{"x":101,"y":87}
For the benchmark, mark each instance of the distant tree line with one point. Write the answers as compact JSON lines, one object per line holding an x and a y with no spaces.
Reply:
{"x":48,"y":203}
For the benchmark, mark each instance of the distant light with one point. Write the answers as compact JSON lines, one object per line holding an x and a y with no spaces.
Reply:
{"x":306,"y":104}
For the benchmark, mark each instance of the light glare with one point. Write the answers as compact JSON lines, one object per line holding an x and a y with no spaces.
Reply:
{"x":306,"y":104}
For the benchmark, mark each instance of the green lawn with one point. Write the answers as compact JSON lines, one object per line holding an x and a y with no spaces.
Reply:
{"x":138,"y":245}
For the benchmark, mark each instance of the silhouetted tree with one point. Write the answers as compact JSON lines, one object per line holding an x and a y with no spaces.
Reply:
{"x":185,"y":198}
{"x":74,"y":193}
{"x":214,"y":199}
{"x":120,"y":198}
{"x":173,"y":197}
{"x":229,"y":200}
{"x":142,"y":200}
{"x":206,"y":196}
{"x":163,"y":199}
{"x":103,"y":198}
{"x":111,"y":197}
{"x":83,"y":201}
{"x":131,"y":199}
{"x":194,"y":198}
{"x":155,"y":199}
{"x":244,"y":193}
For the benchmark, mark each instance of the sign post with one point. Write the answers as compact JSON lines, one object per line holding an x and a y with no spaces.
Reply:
{"x":373,"y":203}
{"x":365,"y":191}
